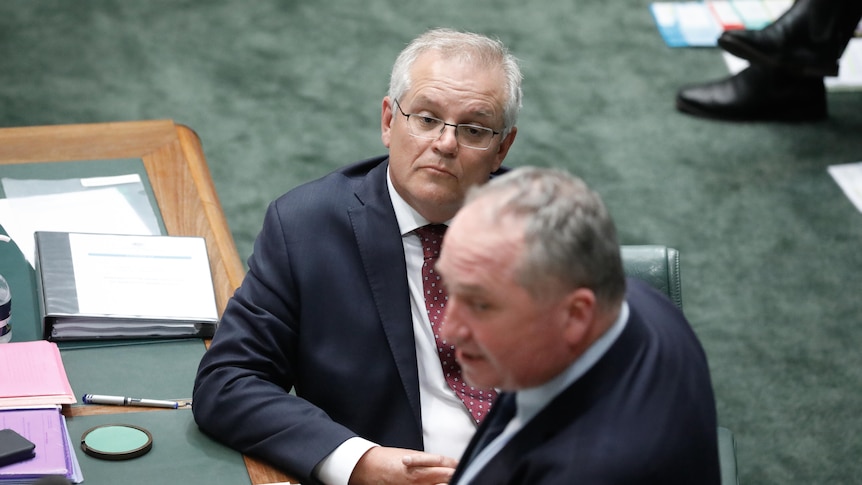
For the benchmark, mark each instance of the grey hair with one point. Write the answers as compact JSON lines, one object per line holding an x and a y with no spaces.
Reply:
{"x":569,"y":235}
{"x":465,"y":46}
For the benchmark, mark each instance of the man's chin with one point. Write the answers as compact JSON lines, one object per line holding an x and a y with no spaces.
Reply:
{"x":476,"y":377}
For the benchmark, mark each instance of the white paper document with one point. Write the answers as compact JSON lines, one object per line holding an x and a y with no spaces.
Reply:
{"x":96,"y":211}
{"x":156,"y":277}
{"x":848,"y":176}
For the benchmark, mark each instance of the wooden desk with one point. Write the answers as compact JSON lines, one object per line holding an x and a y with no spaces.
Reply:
{"x":183,"y":187}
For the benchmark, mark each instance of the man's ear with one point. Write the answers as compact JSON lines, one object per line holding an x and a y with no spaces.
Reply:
{"x":503,"y":149}
{"x":580,"y":311}
{"x":386,"y":121}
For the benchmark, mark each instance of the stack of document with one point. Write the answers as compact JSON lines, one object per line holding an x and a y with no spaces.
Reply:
{"x":33,"y":385}
{"x":32,"y":374}
{"x":54,"y":452}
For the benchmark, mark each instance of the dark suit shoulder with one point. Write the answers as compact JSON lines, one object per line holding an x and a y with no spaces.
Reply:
{"x":664,"y":323}
{"x":335,"y":191}
{"x":362,"y":168}
{"x":644,"y":413}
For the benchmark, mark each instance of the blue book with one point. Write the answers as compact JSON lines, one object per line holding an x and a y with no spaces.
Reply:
{"x":686,"y":24}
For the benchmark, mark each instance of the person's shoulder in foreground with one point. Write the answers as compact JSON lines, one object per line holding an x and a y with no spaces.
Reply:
{"x":328,"y":310}
{"x":609,"y":380}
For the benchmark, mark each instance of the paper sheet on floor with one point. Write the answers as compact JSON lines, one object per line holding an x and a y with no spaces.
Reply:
{"x":848,"y":176}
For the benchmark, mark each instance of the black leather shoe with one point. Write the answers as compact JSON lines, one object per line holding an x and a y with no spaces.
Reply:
{"x":808,"y":39}
{"x":756,"y":94}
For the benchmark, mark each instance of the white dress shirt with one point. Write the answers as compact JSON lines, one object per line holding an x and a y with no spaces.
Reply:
{"x":447,"y":425}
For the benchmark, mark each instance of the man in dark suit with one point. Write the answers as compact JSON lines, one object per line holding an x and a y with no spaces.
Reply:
{"x":605,"y":380}
{"x":332,"y":305}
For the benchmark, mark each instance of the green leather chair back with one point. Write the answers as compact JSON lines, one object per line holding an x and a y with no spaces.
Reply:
{"x":659,"y":266}
{"x":656,"y":265}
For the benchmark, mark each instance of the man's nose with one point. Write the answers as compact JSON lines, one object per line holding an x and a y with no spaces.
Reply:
{"x":448,"y":139}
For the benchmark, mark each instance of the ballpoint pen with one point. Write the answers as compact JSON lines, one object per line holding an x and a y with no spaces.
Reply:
{"x":128,"y":401}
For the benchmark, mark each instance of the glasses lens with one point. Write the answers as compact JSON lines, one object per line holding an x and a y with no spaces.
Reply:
{"x":474,"y":136}
{"x":424,"y":126}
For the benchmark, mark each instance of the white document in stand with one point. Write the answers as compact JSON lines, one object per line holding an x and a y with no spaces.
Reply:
{"x":152,"y":276}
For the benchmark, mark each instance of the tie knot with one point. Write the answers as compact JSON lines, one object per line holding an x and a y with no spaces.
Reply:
{"x":431,"y":237}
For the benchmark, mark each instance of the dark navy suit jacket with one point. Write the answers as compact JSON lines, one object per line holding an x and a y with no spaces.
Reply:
{"x":324,"y":309}
{"x":644,"y":414}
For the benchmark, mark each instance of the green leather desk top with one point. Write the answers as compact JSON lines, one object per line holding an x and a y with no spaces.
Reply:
{"x":181,"y":454}
{"x":162,"y":370}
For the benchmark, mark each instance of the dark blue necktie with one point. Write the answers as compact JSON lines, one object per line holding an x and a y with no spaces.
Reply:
{"x":503,"y":412}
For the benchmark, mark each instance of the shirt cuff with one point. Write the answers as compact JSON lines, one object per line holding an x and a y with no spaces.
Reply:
{"x":336,"y":468}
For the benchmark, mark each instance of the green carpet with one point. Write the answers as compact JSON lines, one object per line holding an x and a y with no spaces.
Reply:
{"x":281,"y":92}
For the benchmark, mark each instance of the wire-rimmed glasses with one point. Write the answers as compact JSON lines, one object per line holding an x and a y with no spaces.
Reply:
{"x":430,"y":128}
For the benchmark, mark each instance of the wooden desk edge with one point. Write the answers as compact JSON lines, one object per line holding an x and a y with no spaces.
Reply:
{"x":202,"y":176}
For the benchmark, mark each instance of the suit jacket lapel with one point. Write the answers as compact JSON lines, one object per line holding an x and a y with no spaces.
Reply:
{"x":379,"y":241}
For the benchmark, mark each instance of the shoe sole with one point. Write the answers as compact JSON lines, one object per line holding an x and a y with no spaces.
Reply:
{"x":746,"y":52}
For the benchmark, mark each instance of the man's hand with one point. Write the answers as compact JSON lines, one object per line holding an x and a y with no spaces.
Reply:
{"x":398,"y":466}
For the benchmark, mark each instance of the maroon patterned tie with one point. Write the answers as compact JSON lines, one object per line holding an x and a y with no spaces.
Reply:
{"x":478,"y":401}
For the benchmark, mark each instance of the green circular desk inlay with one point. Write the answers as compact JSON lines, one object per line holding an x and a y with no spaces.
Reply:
{"x":116,"y":441}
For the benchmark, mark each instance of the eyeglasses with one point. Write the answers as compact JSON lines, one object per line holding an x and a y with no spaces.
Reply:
{"x":430,"y":128}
